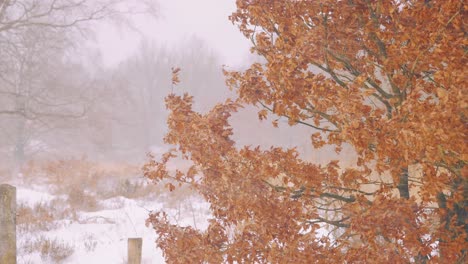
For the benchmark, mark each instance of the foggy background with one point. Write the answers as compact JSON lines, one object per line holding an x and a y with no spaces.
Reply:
{"x":98,"y":90}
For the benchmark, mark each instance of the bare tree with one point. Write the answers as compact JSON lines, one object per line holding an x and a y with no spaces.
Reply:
{"x":17,"y":15}
{"x":42,"y":86}
{"x":140,"y":83}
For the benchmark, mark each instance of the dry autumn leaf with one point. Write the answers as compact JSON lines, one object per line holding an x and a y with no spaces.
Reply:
{"x":404,"y":199}
{"x":175,"y":75}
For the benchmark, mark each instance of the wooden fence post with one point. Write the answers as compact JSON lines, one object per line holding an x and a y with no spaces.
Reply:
{"x":7,"y":224}
{"x":134,"y":250}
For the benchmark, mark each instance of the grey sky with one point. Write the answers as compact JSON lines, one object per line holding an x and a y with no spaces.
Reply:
{"x":178,"y":20}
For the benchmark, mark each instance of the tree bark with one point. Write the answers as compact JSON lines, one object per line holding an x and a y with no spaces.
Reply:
{"x":403,"y":187}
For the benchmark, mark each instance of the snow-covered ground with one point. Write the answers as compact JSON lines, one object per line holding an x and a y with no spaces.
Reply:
{"x":99,"y":236}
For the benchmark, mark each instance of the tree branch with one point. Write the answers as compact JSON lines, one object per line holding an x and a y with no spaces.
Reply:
{"x":299,"y":121}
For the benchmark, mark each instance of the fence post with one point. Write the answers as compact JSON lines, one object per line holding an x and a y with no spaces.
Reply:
{"x":7,"y":224}
{"x":134,"y":250}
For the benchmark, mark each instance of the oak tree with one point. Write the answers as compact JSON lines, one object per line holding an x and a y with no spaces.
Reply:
{"x":387,"y":78}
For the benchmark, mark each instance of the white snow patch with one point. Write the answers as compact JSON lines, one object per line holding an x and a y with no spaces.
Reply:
{"x":31,"y":197}
{"x":101,"y":236}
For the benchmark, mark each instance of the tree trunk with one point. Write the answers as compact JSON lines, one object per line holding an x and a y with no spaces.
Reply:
{"x":457,"y":211}
{"x":403,"y":187}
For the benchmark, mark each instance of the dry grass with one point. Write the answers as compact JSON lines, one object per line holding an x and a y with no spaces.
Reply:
{"x":42,"y":216}
{"x":37,"y":218}
{"x":85,"y":183}
{"x":50,"y":250}
{"x":132,"y":188}
{"x":82,"y":200}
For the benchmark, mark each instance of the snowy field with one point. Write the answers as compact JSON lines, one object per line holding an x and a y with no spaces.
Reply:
{"x":51,"y":228}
